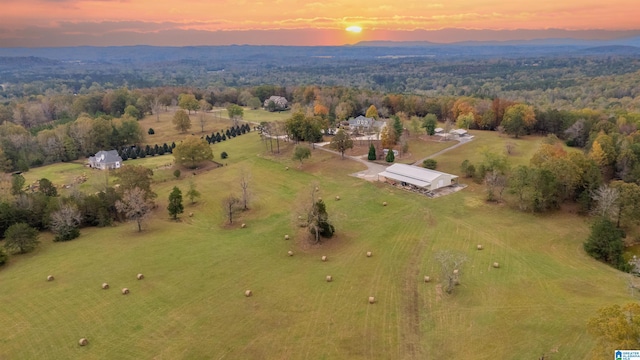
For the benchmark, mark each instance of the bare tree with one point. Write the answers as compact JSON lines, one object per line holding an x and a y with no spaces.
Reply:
{"x":65,"y":222}
{"x":245,"y":178}
{"x":135,"y":206}
{"x":156,"y":105}
{"x":448,"y":125}
{"x":229,"y":205}
{"x":496,"y":183}
{"x":606,"y":199}
{"x":509,"y":147}
{"x":202,"y":118}
{"x":451,"y":267}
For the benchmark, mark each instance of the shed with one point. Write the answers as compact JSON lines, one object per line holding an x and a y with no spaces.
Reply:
{"x":417,"y":176}
{"x":459,"y":132}
{"x":105,"y":160}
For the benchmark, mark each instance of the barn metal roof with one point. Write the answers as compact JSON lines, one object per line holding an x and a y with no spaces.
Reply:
{"x":414,"y":175}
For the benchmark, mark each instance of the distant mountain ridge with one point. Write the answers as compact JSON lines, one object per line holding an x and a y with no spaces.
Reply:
{"x":279,"y":55}
{"x":631,"y":41}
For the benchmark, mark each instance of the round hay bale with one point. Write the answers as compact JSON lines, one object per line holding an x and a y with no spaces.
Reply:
{"x":317,"y":188}
{"x":243,"y":225}
{"x":286,"y":237}
{"x":480,"y":247}
{"x":427,"y":279}
{"x":369,"y":253}
{"x":337,"y":197}
{"x":290,"y":253}
{"x":105,"y":286}
{"x":329,"y":278}
{"x":125,"y":291}
{"x":384,"y":203}
{"x":50,"y":277}
{"x":248,"y":293}
{"x":287,"y":168}
{"x":319,"y":198}
{"x":139,"y":276}
{"x":324,"y":258}
{"x":455,"y":272}
{"x":496,"y":265}
{"x":190,"y":214}
{"x":372,"y":300}
{"x":83,"y":342}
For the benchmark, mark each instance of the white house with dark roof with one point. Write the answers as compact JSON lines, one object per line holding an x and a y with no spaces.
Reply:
{"x":105,"y":160}
{"x":365,"y":124}
{"x":417,"y":176}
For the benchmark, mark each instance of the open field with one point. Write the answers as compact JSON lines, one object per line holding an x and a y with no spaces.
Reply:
{"x":214,"y":121}
{"x":191,"y":305}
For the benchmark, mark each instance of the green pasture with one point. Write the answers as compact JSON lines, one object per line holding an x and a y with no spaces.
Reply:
{"x":191,"y":304}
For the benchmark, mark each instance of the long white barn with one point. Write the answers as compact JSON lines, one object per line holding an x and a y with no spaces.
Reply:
{"x":417,"y":176}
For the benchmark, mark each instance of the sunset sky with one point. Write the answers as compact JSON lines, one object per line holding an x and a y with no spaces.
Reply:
{"x":305,"y":22}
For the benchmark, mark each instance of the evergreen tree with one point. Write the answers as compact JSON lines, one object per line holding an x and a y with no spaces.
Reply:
{"x":175,"y":203}
{"x":391,"y":157}
{"x":372,"y":152}
{"x":605,"y":243}
{"x":397,"y":127}
{"x":319,"y":224}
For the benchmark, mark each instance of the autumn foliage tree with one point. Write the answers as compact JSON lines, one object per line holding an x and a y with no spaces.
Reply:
{"x":372,"y":112}
{"x":181,"y":121}
{"x":342,"y":142}
{"x":616,"y":327}
{"x":192,"y":152}
{"x":518,"y":119}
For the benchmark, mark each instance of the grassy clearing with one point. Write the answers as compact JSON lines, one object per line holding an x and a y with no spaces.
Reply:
{"x":483,"y":141}
{"x":192,"y":305}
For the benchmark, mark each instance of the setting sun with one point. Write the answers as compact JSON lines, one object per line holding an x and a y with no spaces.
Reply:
{"x":354,"y":29}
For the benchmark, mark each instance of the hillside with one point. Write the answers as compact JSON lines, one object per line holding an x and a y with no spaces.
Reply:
{"x":191,"y":303}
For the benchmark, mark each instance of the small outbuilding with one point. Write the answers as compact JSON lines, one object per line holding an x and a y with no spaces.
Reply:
{"x":416,"y":176}
{"x":459,"y":132}
{"x":104,"y":160}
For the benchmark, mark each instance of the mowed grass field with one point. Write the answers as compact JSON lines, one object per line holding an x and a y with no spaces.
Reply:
{"x":216,"y":120}
{"x":191,"y":304}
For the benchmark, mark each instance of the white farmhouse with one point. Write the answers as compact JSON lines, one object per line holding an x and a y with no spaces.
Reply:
{"x":105,"y":160}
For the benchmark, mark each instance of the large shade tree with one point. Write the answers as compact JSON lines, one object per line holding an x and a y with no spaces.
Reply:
{"x":192,"y":152}
{"x":181,"y":121}
{"x":518,"y":119}
{"x":20,"y":238}
{"x":342,"y":142}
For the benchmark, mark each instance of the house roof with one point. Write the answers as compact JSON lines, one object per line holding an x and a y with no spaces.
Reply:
{"x":438,"y":129}
{"x":107,"y":157}
{"x":362,"y":120}
{"x":414,"y":175}
{"x":459,"y":131}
